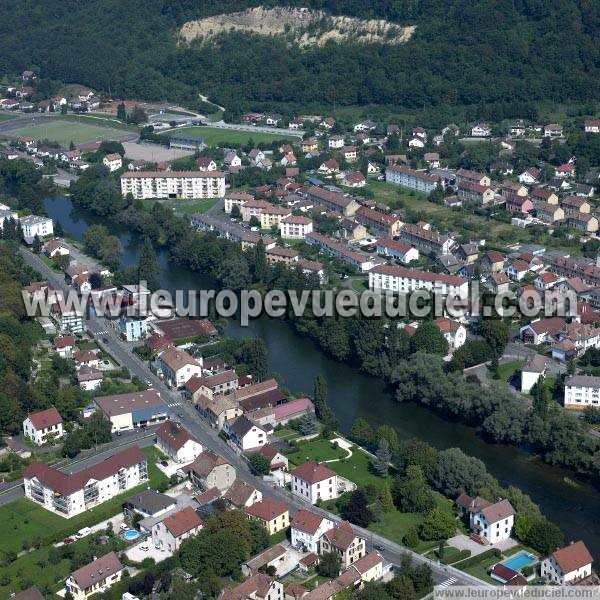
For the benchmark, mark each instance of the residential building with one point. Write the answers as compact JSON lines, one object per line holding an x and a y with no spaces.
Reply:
{"x":584,"y":222}
{"x":32,"y":593}
{"x":33,"y":225}
{"x":465,"y":175}
{"x":354,"y":179}
{"x":498,"y":282}
{"x":173,"y":184}
{"x":294,"y":409}
{"x":333,"y":201}
{"x":133,"y":328}
{"x":592,"y":126}
{"x":245,"y":434}
{"x":553,"y":130}
{"x":530,"y":176}
{"x":540,"y":194}
{"x":133,"y":409}
{"x":362,"y":262}
{"x":492,"y":522}
{"x":236,"y":199}
{"x":64,"y":344}
{"x":532,"y":371}
{"x":89,"y":378}
{"x":273,"y":515}
{"x":454,"y":332}
{"x":256,"y":587}
{"x":295,"y":228}
{"x":569,"y":565}
{"x":549,"y":213}
{"x":272,"y":215}
{"x":411,"y":179}
{"x":541,"y":331}
{"x":575,"y":204}
{"x":481,"y":130}
{"x":378,"y":222}
{"x":218,"y":409}
{"x":582,"y":391}
{"x":314,"y":481}
{"x":168,"y":533}
{"x":518,"y":204}
{"x":425,"y":240}
{"x":307,"y":528}
{"x":176,"y":367}
{"x":44,"y":426}
{"x":96,"y":577}
{"x":148,"y":503}
{"x":405,"y":280}
{"x":241,"y":495}
{"x":113,"y":162}
{"x":343,"y":541}
{"x":397,"y":249}
{"x":277,"y":460}
{"x":174,"y":440}
{"x":473,"y":192}
{"x":545,"y":281}
{"x":206,"y":163}
{"x":74,"y":493}
{"x":53,"y":248}
{"x":271,"y":557}
{"x":210,"y":470}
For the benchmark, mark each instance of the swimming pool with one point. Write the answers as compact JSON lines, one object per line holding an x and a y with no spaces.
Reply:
{"x":131,"y":534}
{"x":520,"y":560}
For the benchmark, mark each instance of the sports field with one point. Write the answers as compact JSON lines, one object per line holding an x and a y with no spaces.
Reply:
{"x":65,"y":132}
{"x":214,"y":135}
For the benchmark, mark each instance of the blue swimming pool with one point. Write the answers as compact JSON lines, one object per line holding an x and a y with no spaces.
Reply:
{"x":520,"y":560}
{"x":131,"y":534}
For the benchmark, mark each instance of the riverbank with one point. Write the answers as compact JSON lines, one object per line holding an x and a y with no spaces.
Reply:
{"x":353,"y":395}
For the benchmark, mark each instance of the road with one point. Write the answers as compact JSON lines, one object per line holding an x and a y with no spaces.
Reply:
{"x":189,"y":417}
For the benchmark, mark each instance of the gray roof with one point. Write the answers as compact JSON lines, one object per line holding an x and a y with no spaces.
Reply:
{"x":583,"y":381}
{"x":150,"y":501}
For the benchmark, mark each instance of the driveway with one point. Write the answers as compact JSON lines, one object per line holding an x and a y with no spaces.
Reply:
{"x":464,"y":542}
{"x":138,"y":555}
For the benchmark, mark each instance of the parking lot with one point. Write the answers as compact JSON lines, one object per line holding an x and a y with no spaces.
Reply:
{"x":138,"y":555}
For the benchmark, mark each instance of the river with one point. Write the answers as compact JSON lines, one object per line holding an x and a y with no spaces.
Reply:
{"x":573,"y":506}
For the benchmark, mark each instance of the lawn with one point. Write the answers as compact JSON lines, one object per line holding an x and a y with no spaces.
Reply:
{"x":319,"y":450}
{"x":480,"y":569}
{"x":25,"y":521}
{"x":187,"y":207}
{"x":508,"y":369}
{"x":6,"y":117}
{"x":287,"y":434}
{"x":214,"y":136}
{"x":65,"y":132}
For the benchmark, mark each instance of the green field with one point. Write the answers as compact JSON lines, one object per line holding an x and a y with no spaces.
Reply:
{"x":213,"y":136}
{"x":6,"y":117}
{"x":65,"y":132}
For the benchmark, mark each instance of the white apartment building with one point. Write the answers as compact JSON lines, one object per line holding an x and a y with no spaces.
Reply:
{"x":582,"y":391}
{"x":295,"y":228}
{"x":175,"y":184}
{"x":71,"y":494}
{"x":44,"y":425}
{"x":314,"y":481}
{"x":567,"y":565}
{"x":33,"y":225}
{"x":404,"y":280}
{"x":494,"y":522}
{"x":307,"y":528}
{"x":409,"y":178}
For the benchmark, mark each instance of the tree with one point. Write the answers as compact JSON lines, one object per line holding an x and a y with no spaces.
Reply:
{"x":329,"y":565}
{"x":357,"y":509}
{"x":386,"y":499}
{"x":411,"y":492}
{"x":411,"y":538}
{"x":322,"y":410}
{"x":401,"y":588}
{"x":429,"y":338}
{"x":36,"y":246}
{"x":417,"y":452}
{"x":122,"y":112}
{"x":543,"y":536}
{"x":254,"y":222}
{"x":361,"y":432}
{"x":437,"y":525}
{"x":456,"y":472}
{"x":385,"y":432}
{"x":383,"y":457}
{"x":148,"y":268}
{"x":371,"y":590}
{"x":236,"y":213}
{"x":307,"y":424}
{"x":260,"y":463}
{"x":496,"y":334}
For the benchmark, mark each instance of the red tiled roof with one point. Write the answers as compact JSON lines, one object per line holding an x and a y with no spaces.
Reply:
{"x":174,"y":435}
{"x":182,"y":521}
{"x":307,"y":521}
{"x":63,"y":341}
{"x":98,"y":570}
{"x":341,"y":536}
{"x":267,"y":509}
{"x":46,"y":418}
{"x":573,"y":557}
{"x":313,"y":472}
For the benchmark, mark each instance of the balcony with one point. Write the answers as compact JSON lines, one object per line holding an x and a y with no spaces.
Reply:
{"x":37,"y":493}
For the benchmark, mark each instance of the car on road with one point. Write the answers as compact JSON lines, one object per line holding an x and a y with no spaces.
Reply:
{"x":83,"y":532}
{"x":105,"y":340}
{"x":144,"y":548}
{"x":180,"y":415}
{"x":164,"y":463}
{"x":68,"y":540}
{"x":148,"y":382}
{"x":378,"y":547}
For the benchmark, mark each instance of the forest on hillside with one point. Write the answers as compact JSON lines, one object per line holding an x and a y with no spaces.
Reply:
{"x":463,"y":52}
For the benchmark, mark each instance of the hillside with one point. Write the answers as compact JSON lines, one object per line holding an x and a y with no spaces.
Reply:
{"x":454,"y":53}
{"x":301,"y":26}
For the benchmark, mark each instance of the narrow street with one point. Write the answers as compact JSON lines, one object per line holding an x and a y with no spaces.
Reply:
{"x":188,"y":416}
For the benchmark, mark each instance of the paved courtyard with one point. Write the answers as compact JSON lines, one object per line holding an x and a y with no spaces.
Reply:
{"x":138,"y":555}
{"x":152,"y":152}
{"x":464,"y":542}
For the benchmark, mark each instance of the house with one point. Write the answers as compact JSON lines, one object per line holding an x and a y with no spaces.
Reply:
{"x":217,"y":409}
{"x":411,"y":179}
{"x":33,"y":225}
{"x":242,"y":495}
{"x":544,"y":195}
{"x":168,"y":533}
{"x":542,"y":330}
{"x":432,"y":159}
{"x":295,"y":227}
{"x":463,"y":175}
{"x":545,"y":281}
{"x":174,"y":440}
{"x":133,"y":409}
{"x":148,"y":503}
{"x":55,"y":248}
{"x":86,"y":358}
{"x":481,"y":130}
{"x":363,"y":262}
{"x":367,"y":125}
{"x":307,"y":528}
{"x":564,"y":171}
{"x":44,"y":426}
{"x":592,"y":126}
{"x":549,"y":213}
{"x":349,"y":153}
{"x":583,"y":221}
{"x":379,"y":222}
{"x":517,"y":270}
{"x":69,"y":494}
{"x":553,"y":130}
{"x":454,"y":332}
{"x":354,"y":179}
{"x":64,"y":344}
{"x":314,"y":481}
{"x":493,"y":523}
{"x":32,"y":593}
{"x":206,"y":163}
{"x":273,"y":515}
{"x":530,"y":176}
{"x":294,"y":409}
{"x":335,"y":142}
{"x":533,"y":370}
{"x":582,"y":391}
{"x":416,"y":142}
{"x":343,"y":541}
{"x":113,"y":162}
{"x":473,"y":192}
{"x":256,"y":587}
{"x":176,"y":367}
{"x":277,"y":460}
{"x":232,"y":160}
{"x":245,"y":434}
{"x":210,"y":470}
{"x":89,"y":378}
{"x":96,"y":577}
{"x":569,"y":565}
{"x":518,"y":204}
{"x":397,"y":249}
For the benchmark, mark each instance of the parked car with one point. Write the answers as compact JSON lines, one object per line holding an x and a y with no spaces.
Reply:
{"x":124,"y":527}
{"x":144,"y":548}
{"x":68,"y":540}
{"x":164,"y":463}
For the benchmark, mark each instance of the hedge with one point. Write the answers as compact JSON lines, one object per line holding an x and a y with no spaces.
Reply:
{"x":469,"y":562}
{"x":463,"y":554}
